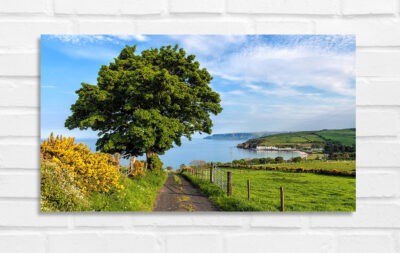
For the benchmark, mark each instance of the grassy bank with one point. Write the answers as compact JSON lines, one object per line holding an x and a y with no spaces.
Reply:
{"x":59,"y":194}
{"x":303,"y":191}
{"x":139,"y":194}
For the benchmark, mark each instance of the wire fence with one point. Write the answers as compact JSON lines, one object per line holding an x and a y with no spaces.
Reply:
{"x":222,"y":177}
{"x":218,"y":176}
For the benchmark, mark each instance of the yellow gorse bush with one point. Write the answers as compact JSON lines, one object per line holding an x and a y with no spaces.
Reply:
{"x":91,"y":171}
{"x":138,"y":169}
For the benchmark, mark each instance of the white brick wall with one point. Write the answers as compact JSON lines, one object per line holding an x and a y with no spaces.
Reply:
{"x":375,"y":227}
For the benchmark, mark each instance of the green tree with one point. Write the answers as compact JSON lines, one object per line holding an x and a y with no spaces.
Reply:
{"x":296,"y":159}
{"x":279,"y":159}
{"x":198,"y":164}
{"x":144,"y":103}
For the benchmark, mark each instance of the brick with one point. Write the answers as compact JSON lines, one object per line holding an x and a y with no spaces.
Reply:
{"x":102,"y":220}
{"x":155,"y":219}
{"x":27,"y":214}
{"x":370,"y":92}
{"x":368,"y":215}
{"x":377,"y":63}
{"x":23,"y":6}
{"x":376,"y":184}
{"x":19,"y":125}
{"x":20,"y":185}
{"x":19,"y":64}
{"x":274,"y":220}
{"x":378,"y":154}
{"x":369,"y":32}
{"x":201,"y":6}
{"x":318,"y":7}
{"x":278,"y":243}
{"x":185,"y":243}
{"x":283,"y":27}
{"x":188,"y":26}
{"x":365,"y":243}
{"x":96,"y":7}
{"x":106,"y":27}
{"x":87,"y":7}
{"x":143,"y":7}
{"x":21,"y":243}
{"x":19,"y":156}
{"x":26,"y":34}
{"x":228,"y":220}
{"x":368,"y":7}
{"x":201,"y":220}
{"x":102,"y":242}
{"x":19,"y":93}
{"x":377,"y":123}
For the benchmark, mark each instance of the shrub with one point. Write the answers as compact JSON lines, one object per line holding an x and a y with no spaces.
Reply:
{"x":296,"y":159}
{"x":58,"y":191}
{"x":279,"y":159}
{"x":155,"y":164}
{"x":138,"y":169}
{"x":90,"y":171}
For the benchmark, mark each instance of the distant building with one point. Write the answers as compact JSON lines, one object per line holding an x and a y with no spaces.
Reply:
{"x":260,"y":148}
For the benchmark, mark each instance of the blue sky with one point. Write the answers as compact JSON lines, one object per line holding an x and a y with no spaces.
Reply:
{"x":266,"y":82}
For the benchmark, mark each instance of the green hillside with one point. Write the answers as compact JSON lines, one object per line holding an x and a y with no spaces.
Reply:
{"x":306,"y":138}
{"x":344,"y":136}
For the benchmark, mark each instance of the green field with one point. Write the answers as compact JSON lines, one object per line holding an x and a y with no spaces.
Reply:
{"x":343,"y":136}
{"x":303,"y":191}
{"x":348,"y":166}
{"x":307,"y":138}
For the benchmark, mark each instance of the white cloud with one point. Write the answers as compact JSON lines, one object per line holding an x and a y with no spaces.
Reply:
{"x":322,"y":62}
{"x":209,"y":45}
{"x":137,"y":37}
{"x":281,"y":91}
{"x":91,"y":53}
{"x":92,"y":38}
{"x":290,"y":67}
{"x":48,"y":86}
{"x":80,"y":39}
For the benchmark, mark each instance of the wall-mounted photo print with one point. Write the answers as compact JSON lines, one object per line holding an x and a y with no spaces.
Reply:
{"x":187,"y":123}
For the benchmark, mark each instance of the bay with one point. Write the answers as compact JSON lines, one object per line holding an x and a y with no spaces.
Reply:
{"x":207,"y":150}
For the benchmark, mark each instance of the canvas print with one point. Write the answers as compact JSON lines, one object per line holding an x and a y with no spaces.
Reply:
{"x":188,"y":123}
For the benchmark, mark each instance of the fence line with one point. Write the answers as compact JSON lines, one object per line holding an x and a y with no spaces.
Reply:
{"x":223,"y":179}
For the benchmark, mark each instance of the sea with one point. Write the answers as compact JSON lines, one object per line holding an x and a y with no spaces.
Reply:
{"x":208,"y":150}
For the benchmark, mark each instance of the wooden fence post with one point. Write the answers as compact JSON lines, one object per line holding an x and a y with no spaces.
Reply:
{"x":229,"y":183}
{"x":282,"y":199}
{"x":211,"y":174}
{"x":132,"y":165}
{"x":248,"y":189}
{"x":117,"y":156}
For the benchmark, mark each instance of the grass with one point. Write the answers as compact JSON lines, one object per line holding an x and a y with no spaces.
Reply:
{"x":342,"y":166}
{"x":218,"y":196}
{"x":177,"y":180}
{"x":303,"y":191}
{"x":307,"y":138}
{"x":344,"y":136}
{"x":60,"y":194}
{"x":139,"y":194}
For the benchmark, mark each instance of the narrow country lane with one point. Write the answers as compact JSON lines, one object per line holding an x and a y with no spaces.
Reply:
{"x":178,"y":194}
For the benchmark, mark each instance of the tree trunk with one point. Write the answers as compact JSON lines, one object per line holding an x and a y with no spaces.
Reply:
{"x":150,"y":154}
{"x":153,"y":162}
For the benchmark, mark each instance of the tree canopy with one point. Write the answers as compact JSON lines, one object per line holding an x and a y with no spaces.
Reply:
{"x":144,"y":103}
